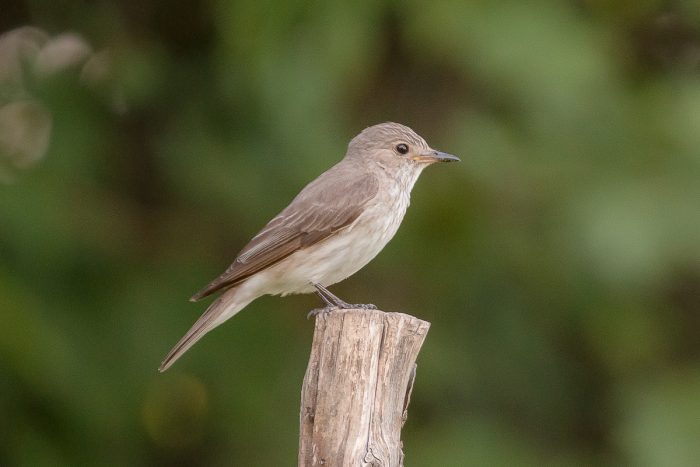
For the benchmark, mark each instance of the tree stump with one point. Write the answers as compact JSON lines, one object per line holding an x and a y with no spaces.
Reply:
{"x":357,"y":388}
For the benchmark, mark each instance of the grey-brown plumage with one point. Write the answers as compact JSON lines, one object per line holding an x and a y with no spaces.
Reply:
{"x":325,"y":206}
{"x":335,"y":226}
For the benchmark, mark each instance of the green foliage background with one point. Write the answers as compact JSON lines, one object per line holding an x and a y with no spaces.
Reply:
{"x":559,"y":263}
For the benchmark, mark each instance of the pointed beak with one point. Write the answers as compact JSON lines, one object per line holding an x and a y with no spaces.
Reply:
{"x":444,"y":157}
{"x":436,"y":156}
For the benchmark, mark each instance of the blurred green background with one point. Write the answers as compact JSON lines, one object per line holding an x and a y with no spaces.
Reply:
{"x":142,"y":143}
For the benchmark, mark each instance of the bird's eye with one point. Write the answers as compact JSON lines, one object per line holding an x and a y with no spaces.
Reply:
{"x":402,"y":148}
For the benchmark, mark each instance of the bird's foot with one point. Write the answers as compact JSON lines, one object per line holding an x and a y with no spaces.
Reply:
{"x":343,"y":305}
{"x":321,"y":311}
{"x":361,"y":306}
{"x":334,"y":302}
{"x":346,"y":306}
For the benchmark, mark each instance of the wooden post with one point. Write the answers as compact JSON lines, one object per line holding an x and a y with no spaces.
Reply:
{"x":357,"y":388}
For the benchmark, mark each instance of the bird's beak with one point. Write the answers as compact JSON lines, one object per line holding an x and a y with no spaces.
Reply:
{"x":435,"y":156}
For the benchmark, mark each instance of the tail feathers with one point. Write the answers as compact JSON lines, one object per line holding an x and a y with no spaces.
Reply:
{"x":219,"y":311}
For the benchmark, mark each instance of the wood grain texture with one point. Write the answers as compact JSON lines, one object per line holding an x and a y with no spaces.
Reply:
{"x":357,"y":387}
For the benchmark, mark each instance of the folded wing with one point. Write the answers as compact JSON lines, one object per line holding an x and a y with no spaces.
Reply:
{"x":327,"y":205}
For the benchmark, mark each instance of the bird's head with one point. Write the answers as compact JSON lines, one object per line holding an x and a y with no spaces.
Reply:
{"x":395,"y":147}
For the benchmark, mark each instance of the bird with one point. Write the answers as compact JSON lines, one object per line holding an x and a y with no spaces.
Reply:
{"x":335,"y":226}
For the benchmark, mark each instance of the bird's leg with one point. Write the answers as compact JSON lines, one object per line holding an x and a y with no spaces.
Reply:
{"x":328,"y":298}
{"x":332,"y":300}
{"x":330,"y":305}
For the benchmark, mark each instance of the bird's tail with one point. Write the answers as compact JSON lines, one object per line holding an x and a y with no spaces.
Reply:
{"x":219,"y":311}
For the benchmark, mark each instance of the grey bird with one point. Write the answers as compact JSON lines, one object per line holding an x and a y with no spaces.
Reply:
{"x":334,"y":227}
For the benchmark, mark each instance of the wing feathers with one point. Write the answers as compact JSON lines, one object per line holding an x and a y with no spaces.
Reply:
{"x":328,"y":204}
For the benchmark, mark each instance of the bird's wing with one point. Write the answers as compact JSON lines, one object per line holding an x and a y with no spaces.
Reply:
{"x":328,"y":204}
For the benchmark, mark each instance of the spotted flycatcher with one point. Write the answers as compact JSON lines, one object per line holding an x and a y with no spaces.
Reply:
{"x":334,"y":227}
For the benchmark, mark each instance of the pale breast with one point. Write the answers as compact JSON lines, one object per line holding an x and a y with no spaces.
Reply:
{"x":341,"y":255}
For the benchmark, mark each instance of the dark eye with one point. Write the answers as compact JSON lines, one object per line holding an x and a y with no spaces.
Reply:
{"x":401,"y":148}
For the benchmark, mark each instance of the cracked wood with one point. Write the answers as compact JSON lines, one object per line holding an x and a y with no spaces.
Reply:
{"x":357,"y":388}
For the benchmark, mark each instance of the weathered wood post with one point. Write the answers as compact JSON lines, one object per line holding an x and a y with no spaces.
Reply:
{"x":357,"y":388}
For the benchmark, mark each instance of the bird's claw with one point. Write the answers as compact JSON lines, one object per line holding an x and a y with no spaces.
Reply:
{"x":320,"y":311}
{"x":347,"y":306}
{"x":364,"y":306}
